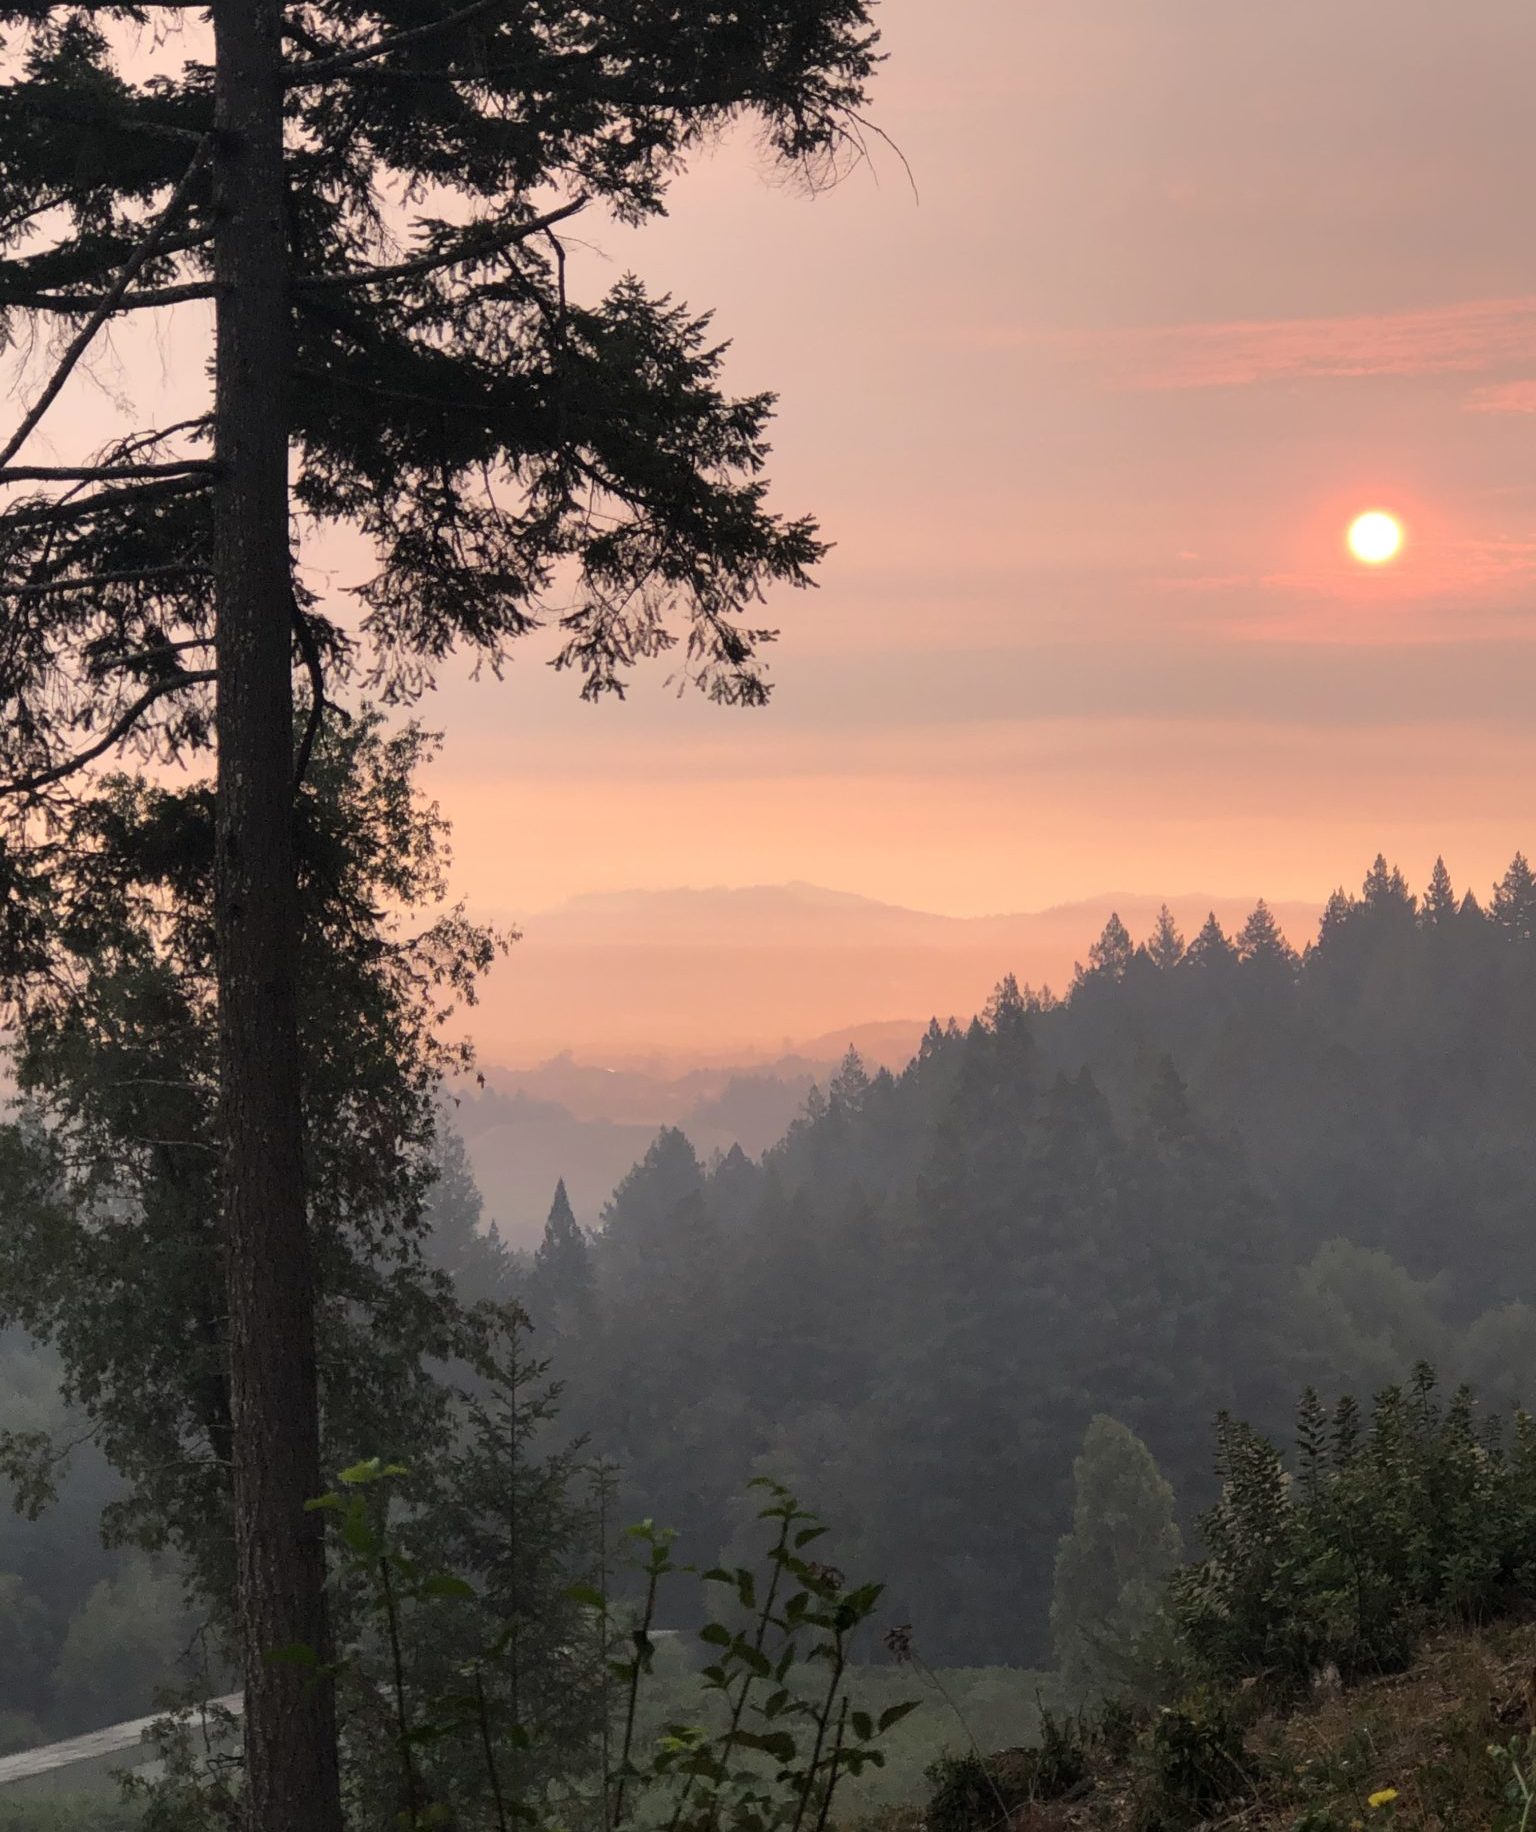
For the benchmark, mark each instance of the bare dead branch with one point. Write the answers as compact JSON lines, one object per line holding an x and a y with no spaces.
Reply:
{"x":131,"y":268}
{"x":104,"y":473}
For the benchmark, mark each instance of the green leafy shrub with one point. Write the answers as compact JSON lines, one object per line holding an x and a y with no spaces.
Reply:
{"x":1194,"y":1761}
{"x":773,"y":1729}
{"x":973,"y":1793}
{"x":1417,"y":1516}
{"x":965,"y":1795}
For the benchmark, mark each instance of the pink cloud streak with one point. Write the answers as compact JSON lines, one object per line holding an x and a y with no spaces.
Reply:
{"x":1466,"y":338}
{"x":1505,"y":397}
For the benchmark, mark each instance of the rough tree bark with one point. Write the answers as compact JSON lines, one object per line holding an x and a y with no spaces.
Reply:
{"x":292,"y":1782}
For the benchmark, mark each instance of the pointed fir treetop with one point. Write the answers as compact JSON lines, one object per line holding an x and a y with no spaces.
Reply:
{"x":1111,"y":954}
{"x":1514,"y":900}
{"x":643,"y":1206}
{"x":1165,"y":949}
{"x":850,"y":1084}
{"x":1260,"y":942}
{"x":562,"y":1220}
{"x":562,"y":1262}
{"x":1439,"y":904}
{"x":1210,"y":951}
{"x":1006,"y":1007}
{"x":1337,"y":913}
{"x":1386,"y":889}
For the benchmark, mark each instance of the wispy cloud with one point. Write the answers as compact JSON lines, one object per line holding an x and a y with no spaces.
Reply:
{"x":1505,"y":397}
{"x":1470,"y":338}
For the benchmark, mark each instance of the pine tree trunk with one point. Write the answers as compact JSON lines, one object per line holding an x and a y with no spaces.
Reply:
{"x":290,"y":1732}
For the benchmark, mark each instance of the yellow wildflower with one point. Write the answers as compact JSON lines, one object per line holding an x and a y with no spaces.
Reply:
{"x":1382,"y":1797}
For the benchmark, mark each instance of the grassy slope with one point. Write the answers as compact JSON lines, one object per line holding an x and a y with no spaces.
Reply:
{"x":1425,"y":1733}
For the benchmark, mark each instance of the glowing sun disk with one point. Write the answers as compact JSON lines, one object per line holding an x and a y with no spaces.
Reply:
{"x":1375,"y":537}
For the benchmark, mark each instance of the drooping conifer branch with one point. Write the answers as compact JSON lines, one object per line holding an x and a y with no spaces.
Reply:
{"x":66,"y":510}
{"x":481,"y":243}
{"x":142,"y":299}
{"x":131,"y":268}
{"x":114,"y":734}
{"x":95,"y":582}
{"x":317,"y":70}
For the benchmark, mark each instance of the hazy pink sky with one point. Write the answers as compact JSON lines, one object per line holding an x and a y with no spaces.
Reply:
{"x":1188,"y":285}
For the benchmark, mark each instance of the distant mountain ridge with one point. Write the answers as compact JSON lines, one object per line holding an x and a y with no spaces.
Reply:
{"x":715,"y":1009}
{"x":742,"y":974}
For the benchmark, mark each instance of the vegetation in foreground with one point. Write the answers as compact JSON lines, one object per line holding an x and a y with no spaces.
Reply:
{"x":1447,"y":1745}
{"x":1355,"y":1648}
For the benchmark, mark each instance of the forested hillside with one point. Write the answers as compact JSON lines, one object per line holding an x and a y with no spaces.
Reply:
{"x":1210,"y":1173}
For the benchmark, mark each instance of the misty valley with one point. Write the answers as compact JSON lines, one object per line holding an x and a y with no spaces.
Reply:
{"x":996,"y":1314}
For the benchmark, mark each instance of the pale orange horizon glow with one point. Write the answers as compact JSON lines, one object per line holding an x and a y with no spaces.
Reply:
{"x":1185,"y":290}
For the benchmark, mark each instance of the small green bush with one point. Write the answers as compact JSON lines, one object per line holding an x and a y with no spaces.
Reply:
{"x":970,"y":1793}
{"x":1194,"y":1761}
{"x":965,"y":1795}
{"x":1419,"y":1515}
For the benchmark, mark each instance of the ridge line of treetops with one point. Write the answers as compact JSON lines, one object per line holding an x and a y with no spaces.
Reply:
{"x":1259,"y":942}
{"x":1206,"y":1177}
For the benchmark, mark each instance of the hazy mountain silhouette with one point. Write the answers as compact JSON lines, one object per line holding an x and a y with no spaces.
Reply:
{"x":734,"y":976}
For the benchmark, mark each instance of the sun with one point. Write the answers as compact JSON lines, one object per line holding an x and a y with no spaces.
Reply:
{"x":1375,"y":537}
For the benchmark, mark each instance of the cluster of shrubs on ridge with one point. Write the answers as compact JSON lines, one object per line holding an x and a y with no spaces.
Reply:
{"x":1320,"y":1570}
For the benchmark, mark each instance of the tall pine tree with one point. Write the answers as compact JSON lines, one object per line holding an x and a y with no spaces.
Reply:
{"x":429,"y":381}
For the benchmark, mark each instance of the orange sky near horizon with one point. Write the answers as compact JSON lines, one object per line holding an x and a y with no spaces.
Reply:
{"x":1184,"y":288}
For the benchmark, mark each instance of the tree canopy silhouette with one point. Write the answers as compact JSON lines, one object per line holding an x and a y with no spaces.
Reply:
{"x":370,"y":199}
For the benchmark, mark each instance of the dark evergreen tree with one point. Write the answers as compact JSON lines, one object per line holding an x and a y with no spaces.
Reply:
{"x":1385,"y":891}
{"x":1439,"y":904}
{"x":111,"y":1251}
{"x":1111,"y":1567}
{"x":1210,"y":954}
{"x":1166,"y":946}
{"x":560,"y":1288}
{"x":1337,"y":913}
{"x":1111,"y":954}
{"x":1513,"y":906}
{"x":471,"y":1253}
{"x":1262,"y":947}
